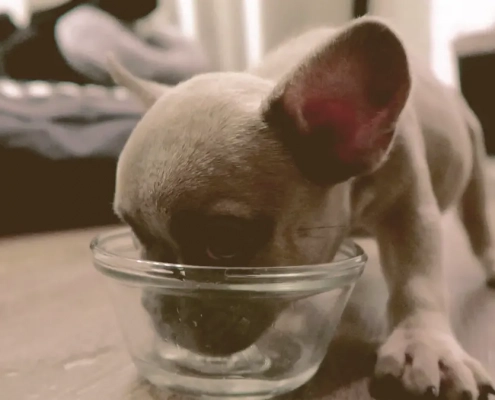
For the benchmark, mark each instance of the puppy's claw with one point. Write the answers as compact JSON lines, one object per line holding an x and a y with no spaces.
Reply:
{"x":490,"y":272}
{"x":428,"y":365}
{"x":466,"y":395}
{"x":487,"y":389}
{"x":431,"y":392}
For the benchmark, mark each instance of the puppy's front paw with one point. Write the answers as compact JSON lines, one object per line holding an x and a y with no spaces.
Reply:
{"x":421,"y":363}
{"x":488,"y":262}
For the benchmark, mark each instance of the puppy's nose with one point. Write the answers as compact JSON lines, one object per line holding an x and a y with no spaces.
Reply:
{"x":210,"y":326}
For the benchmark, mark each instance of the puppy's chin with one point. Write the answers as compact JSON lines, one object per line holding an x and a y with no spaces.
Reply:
{"x":208,"y":325}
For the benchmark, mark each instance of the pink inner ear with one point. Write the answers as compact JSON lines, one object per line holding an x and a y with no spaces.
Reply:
{"x":340,"y":119}
{"x":357,"y":132}
{"x":323,"y":112}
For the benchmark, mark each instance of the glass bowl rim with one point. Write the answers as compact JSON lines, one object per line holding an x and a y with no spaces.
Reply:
{"x":107,"y":261}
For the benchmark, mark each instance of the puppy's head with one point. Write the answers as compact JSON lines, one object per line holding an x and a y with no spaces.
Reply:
{"x":229,"y":169}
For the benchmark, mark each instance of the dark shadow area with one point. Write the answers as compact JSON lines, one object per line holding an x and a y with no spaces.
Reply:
{"x":39,"y":194}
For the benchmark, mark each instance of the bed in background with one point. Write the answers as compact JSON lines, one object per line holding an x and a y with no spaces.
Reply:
{"x":62,"y":122}
{"x":58,"y":149}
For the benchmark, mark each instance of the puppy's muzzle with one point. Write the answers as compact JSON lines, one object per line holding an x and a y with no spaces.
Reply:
{"x":210,"y":324}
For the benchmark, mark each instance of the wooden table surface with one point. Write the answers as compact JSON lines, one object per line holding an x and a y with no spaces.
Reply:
{"x":59,"y":338}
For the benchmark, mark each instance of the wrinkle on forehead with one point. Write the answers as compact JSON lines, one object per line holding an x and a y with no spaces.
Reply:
{"x":201,"y":175}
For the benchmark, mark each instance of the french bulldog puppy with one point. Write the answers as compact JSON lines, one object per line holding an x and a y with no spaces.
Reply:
{"x":336,"y":130}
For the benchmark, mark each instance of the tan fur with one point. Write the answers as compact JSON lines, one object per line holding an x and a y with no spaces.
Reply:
{"x":203,"y":145}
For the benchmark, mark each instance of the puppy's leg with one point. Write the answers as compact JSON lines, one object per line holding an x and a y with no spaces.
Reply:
{"x":421,"y":354}
{"x":474,"y":208}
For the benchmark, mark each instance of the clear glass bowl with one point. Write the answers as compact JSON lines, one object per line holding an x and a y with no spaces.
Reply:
{"x":248,"y":333}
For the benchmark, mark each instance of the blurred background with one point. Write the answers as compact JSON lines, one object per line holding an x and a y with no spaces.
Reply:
{"x":63,"y":123}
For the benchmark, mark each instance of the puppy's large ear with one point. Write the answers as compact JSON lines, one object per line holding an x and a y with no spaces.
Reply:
{"x":337,"y":110}
{"x":147,"y":92}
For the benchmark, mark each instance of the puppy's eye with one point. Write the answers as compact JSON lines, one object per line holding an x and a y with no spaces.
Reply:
{"x":226,"y":240}
{"x":221,"y":248}
{"x":219,"y":240}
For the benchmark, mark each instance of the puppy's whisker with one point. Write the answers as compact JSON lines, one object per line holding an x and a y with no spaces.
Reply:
{"x":315,"y":237}
{"x":313,"y":228}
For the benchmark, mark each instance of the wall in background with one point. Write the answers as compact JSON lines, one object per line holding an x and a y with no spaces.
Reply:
{"x":281,"y":19}
{"x":237,"y":33}
{"x":222,"y":27}
{"x":412,"y":20}
{"x":450,"y":19}
{"x":245,"y":29}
